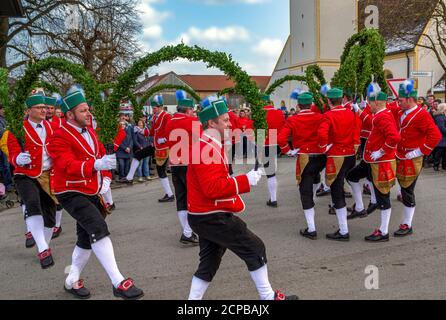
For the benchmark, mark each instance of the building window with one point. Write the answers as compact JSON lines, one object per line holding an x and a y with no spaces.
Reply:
{"x":388,"y":74}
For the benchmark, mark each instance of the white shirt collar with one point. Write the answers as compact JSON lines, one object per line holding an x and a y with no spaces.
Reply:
{"x":76,"y":127}
{"x":34,"y":125}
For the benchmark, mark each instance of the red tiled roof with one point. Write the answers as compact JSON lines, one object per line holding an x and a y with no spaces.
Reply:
{"x":202,"y":83}
{"x":213,"y":83}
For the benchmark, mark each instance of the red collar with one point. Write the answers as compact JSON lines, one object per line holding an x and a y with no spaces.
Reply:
{"x":84,"y":144}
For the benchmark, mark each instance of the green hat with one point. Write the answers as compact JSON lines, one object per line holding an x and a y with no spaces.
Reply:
{"x":35,"y":100}
{"x":157,"y":101}
{"x":212,"y":109}
{"x":50,"y":101}
{"x":188,"y":103}
{"x":382,"y":96}
{"x":335,"y":93}
{"x":305,"y":98}
{"x":72,"y":101}
{"x":403,"y":93}
{"x":265,"y":97}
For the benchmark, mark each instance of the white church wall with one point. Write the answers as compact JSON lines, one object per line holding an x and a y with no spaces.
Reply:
{"x":303,"y":30}
{"x":338,"y":24}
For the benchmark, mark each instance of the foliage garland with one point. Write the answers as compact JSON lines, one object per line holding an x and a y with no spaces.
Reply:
{"x":363,"y":57}
{"x":23,"y":88}
{"x":315,"y":80}
{"x":221,"y":60}
{"x":278,"y":83}
{"x":4,"y":88}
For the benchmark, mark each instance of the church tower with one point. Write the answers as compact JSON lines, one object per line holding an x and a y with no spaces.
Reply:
{"x":318,"y":32}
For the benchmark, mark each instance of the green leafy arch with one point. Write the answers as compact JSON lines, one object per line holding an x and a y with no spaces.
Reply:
{"x":362,"y":59}
{"x":24,"y":86}
{"x":220,"y":60}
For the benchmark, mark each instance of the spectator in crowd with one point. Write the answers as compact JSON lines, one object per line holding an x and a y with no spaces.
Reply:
{"x":141,"y":141}
{"x":430,"y":100}
{"x":58,"y":112}
{"x":124,"y":153}
{"x":5,"y":169}
{"x":439,"y":154}
{"x":292,"y":112}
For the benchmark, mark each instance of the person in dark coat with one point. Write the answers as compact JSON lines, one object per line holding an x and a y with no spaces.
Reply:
{"x":124,"y":153}
{"x":141,"y":141}
{"x":440,"y":151}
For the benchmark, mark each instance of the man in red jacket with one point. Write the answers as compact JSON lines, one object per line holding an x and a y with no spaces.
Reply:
{"x":56,"y":123}
{"x":275,"y":120}
{"x":379,"y":153}
{"x":33,"y":166}
{"x":311,"y":158}
{"x":336,"y":136}
{"x":81,"y":176}
{"x":182,"y":131}
{"x":213,"y":198}
{"x":157,"y":131}
{"x":419,"y":137}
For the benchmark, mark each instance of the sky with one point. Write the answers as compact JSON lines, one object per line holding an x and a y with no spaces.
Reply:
{"x":253,"y":31}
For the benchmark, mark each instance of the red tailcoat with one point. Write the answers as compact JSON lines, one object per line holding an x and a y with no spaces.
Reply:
{"x":303,"y":127}
{"x":210,"y":188}
{"x":384,"y":136}
{"x":73,"y":161}
{"x":33,"y":145}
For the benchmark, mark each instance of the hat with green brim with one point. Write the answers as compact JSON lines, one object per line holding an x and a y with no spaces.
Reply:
{"x":305,"y":98}
{"x":403,"y":93}
{"x":157,"y":101}
{"x":35,"y":100}
{"x":335,"y":93}
{"x":72,"y":101}
{"x":212,"y":109}
{"x":50,"y":101}
{"x":188,"y":103}
{"x":382,"y":96}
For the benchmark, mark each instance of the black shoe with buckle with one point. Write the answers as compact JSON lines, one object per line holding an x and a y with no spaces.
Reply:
{"x":372,"y":208}
{"x":78,"y":290}
{"x":29,"y":240}
{"x":56,"y":232}
{"x":337,"y":236}
{"x":309,"y":235}
{"x":357,"y":214}
{"x":281,"y":296}
{"x":377,"y":236}
{"x":192,"y":240}
{"x":46,"y":259}
{"x":127,"y":290}
{"x":167,"y":199}
{"x":272,"y":204}
{"x":331,"y":210}
{"x":403,"y":231}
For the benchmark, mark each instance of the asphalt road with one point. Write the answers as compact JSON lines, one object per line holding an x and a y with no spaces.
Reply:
{"x":146,"y":235}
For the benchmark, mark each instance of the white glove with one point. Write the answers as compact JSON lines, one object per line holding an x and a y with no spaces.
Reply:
{"x":377,"y":154}
{"x":328,"y":148}
{"x":23,"y":159}
{"x":363,"y":104}
{"x":414,"y":154}
{"x":290,"y":153}
{"x":355,"y":107}
{"x":254,"y":177}
{"x":105,"y":185}
{"x":161,"y":140}
{"x":107,"y":162}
